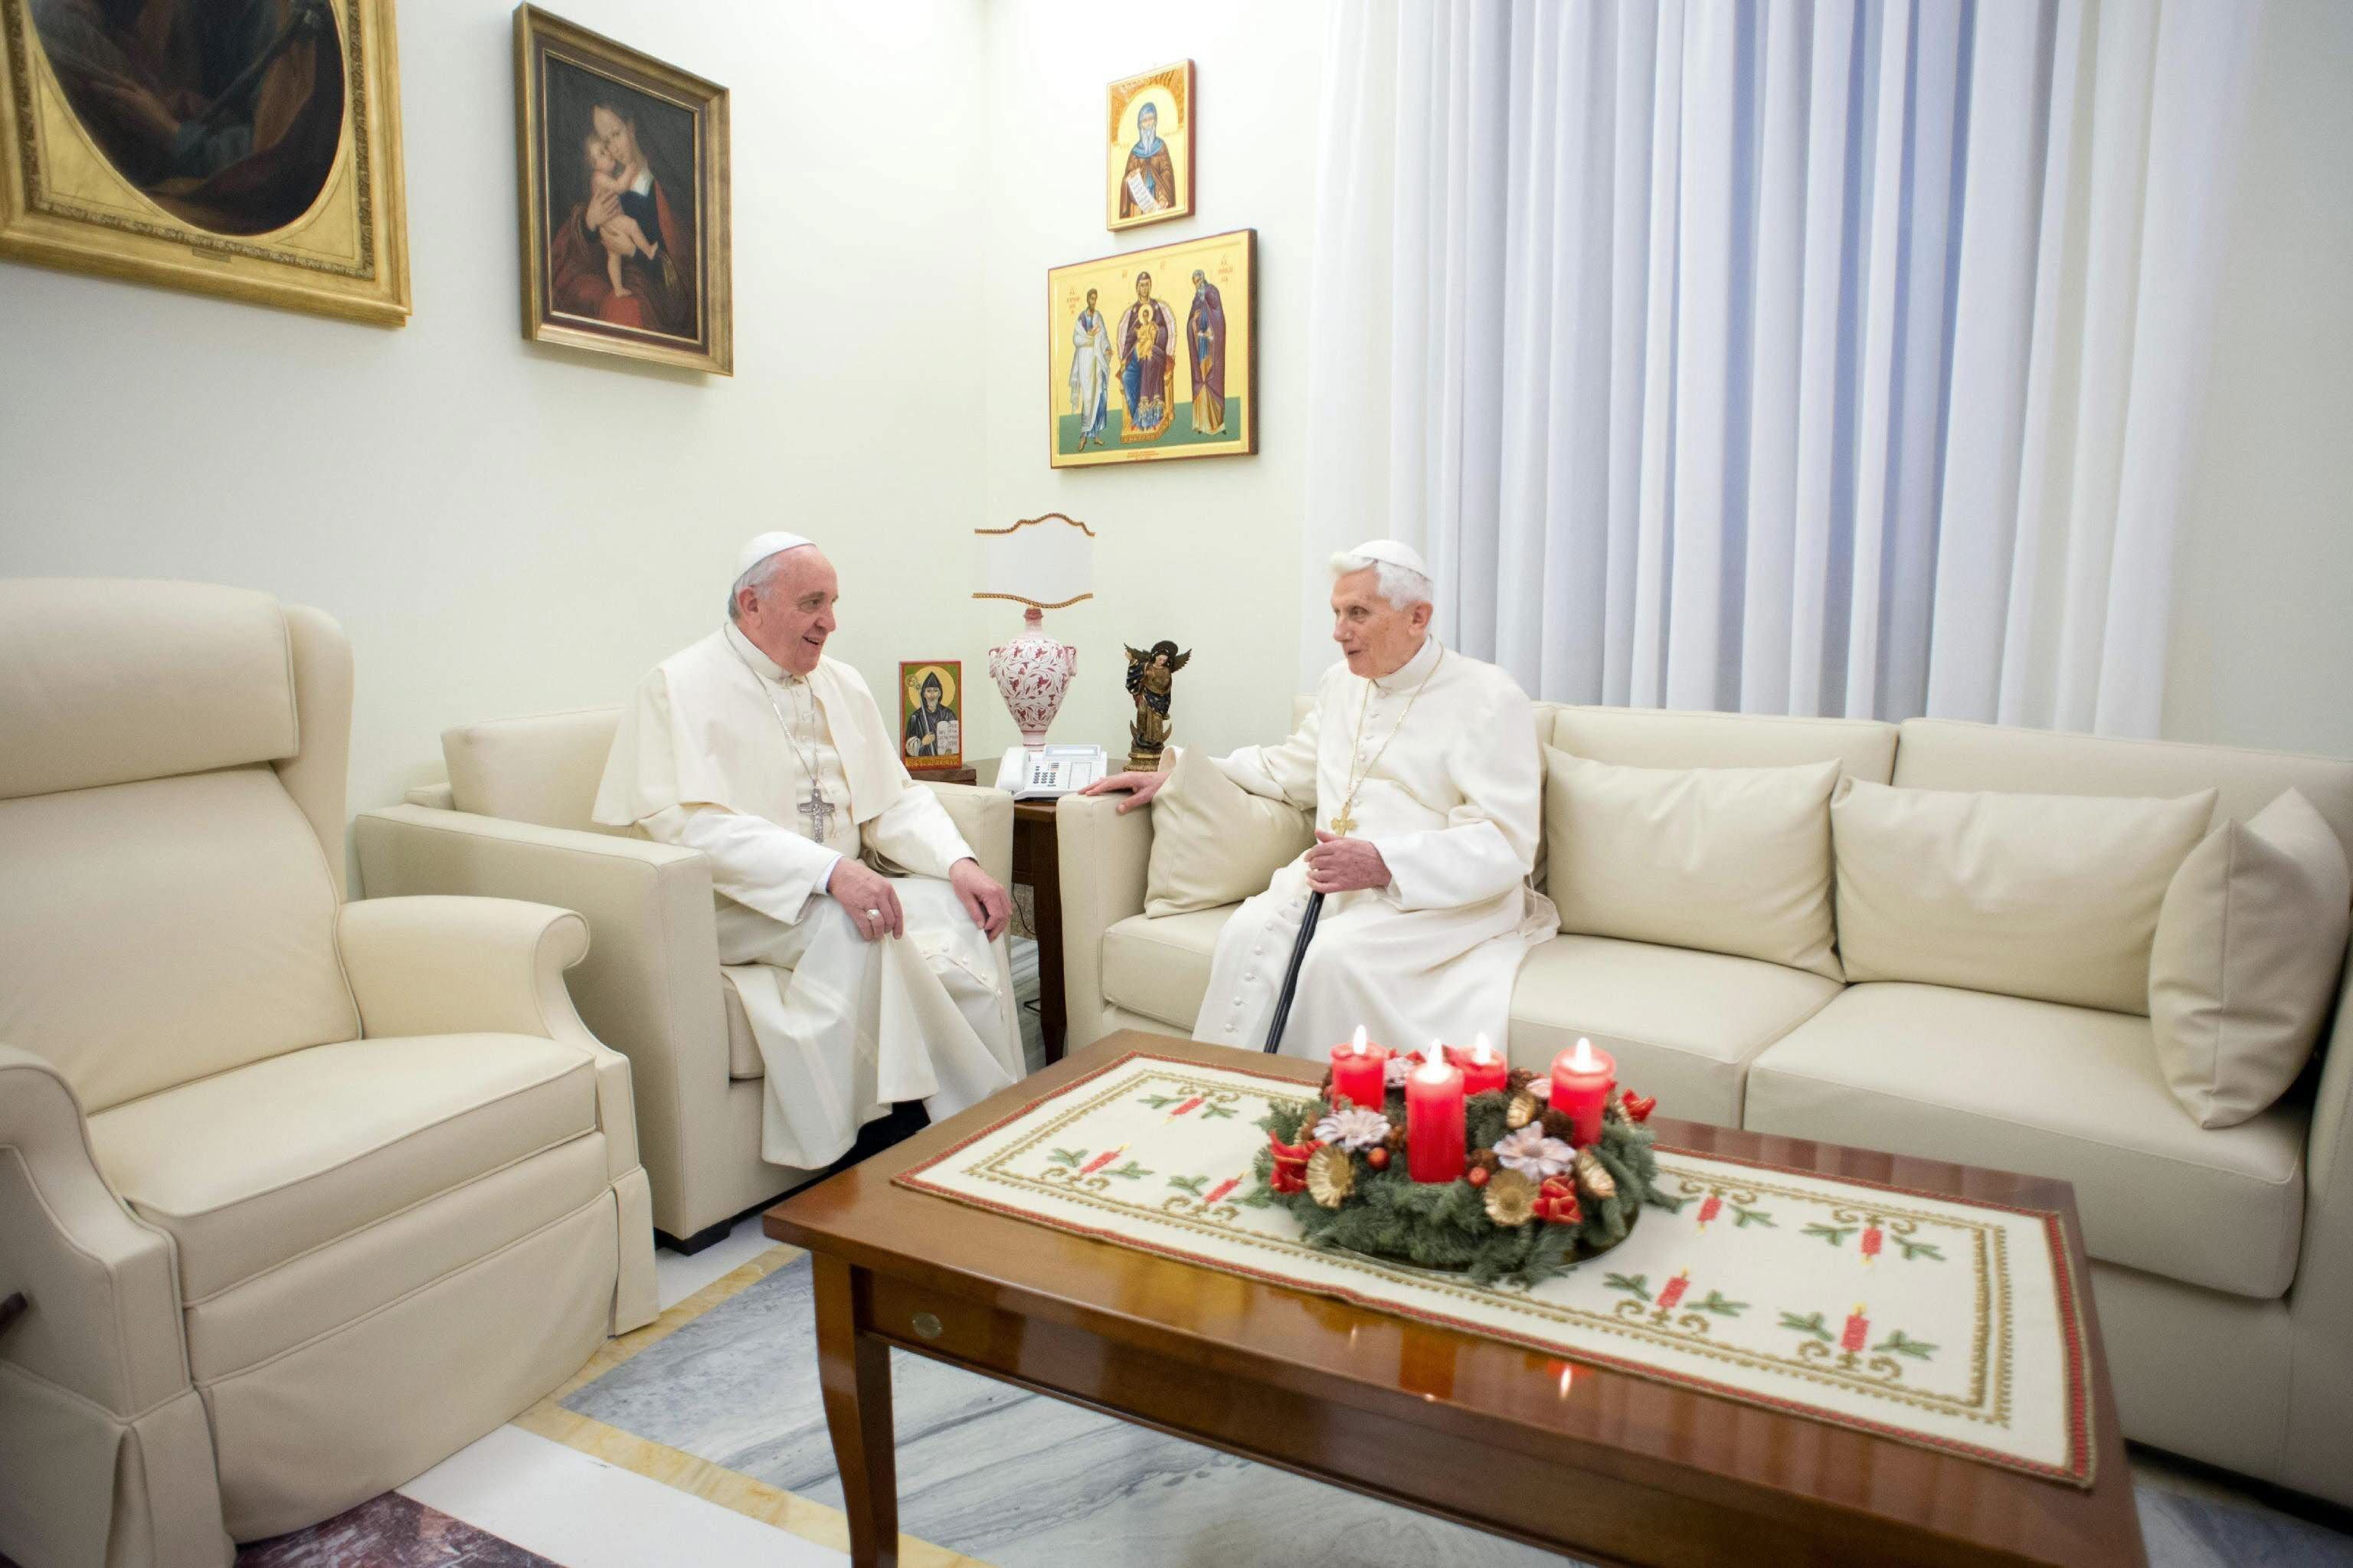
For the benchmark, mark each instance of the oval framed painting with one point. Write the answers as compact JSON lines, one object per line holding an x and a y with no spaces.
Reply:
{"x":248,"y":148}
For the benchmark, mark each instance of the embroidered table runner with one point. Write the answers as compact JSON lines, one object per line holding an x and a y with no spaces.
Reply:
{"x":1943,"y":1323}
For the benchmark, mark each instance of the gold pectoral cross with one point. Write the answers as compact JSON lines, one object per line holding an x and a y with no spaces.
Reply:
{"x":1344,"y":824}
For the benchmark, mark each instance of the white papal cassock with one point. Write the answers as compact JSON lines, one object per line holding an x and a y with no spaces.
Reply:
{"x":1454,"y":802}
{"x":714,"y":753}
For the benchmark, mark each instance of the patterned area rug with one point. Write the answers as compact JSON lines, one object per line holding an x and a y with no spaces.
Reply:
{"x":388,"y":1530}
{"x":1948,"y":1324}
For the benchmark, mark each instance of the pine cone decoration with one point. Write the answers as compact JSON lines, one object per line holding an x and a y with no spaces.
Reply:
{"x":1519,"y":1079}
{"x":1484,"y":1160}
{"x":1511,"y":1199}
{"x":1593,"y":1178}
{"x":1520,"y":1111}
{"x":1331,"y":1177}
{"x":1396,"y":1140}
{"x":1560,"y":1124}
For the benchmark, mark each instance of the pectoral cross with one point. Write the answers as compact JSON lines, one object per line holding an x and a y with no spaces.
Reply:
{"x":1344,"y":824}
{"x":819,"y":813}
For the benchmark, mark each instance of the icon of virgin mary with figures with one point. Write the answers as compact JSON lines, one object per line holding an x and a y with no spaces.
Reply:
{"x":1147,"y":362}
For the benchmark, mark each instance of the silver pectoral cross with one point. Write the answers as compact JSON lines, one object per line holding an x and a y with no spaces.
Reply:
{"x":819,"y":813}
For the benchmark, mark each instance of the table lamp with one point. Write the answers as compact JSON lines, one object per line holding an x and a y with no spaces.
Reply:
{"x":1046,"y":562}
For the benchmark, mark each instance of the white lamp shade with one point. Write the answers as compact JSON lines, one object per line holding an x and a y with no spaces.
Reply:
{"x":1046,"y":561}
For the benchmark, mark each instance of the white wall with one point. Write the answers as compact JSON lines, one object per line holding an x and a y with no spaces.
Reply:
{"x":505,"y":528}
{"x":1206,"y":551}
{"x":508,"y":529}
{"x":2262,"y":630}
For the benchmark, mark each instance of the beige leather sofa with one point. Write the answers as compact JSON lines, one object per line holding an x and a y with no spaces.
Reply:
{"x":2227,"y":1305}
{"x":301,"y":1195}
{"x":514,"y":822}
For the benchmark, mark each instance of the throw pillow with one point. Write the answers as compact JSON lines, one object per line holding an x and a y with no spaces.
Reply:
{"x":2048,"y":896}
{"x":1213,"y":841}
{"x":2248,"y":949}
{"x":1726,"y":860}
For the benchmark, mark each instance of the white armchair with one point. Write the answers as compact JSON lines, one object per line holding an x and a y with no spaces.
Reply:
{"x":514,"y":822}
{"x":298,"y":1197}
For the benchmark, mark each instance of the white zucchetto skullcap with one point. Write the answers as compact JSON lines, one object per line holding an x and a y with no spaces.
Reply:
{"x":1395,"y":552}
{"x":760,"y":547}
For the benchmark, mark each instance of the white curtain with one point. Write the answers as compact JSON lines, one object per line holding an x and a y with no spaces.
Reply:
{"x":1785,"y":355}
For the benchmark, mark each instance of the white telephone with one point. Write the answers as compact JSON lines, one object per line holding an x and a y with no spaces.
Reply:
{"x":1049,"y":772}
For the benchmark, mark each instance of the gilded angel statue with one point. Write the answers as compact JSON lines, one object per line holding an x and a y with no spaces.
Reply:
{"x":1150,"y":675}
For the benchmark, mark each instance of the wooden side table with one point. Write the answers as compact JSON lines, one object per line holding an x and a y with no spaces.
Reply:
{"x":1038,"y":864}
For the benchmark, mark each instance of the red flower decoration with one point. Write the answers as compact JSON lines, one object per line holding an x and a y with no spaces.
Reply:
{"x":1637,"y":1106}
{"x":1557,"y":1203}
{"x":1290,"y":1164}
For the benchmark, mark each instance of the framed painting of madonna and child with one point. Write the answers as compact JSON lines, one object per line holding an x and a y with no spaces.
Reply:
{"x":1153,"y":355}
{"x":624,"y":199}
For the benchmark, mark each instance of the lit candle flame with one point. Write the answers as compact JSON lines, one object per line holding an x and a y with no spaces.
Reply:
{"x":1357,"y":1044}
{"x":1481,"y":1051}
{"x":1433,"y":1068}
{"x":1583,"y":1060}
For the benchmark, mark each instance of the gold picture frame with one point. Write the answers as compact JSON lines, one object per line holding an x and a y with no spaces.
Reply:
{"x":1184,"y":386}
{"x":931,"y":734}
{"x":277,"y":184}
{"x":602,"y":129}
{"x":1145,"y":157}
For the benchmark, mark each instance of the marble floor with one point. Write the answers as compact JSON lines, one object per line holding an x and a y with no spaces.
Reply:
{"x":702,"y":1440}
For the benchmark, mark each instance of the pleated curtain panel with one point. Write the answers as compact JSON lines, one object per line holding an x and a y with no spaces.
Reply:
{"x":1798,"y":356}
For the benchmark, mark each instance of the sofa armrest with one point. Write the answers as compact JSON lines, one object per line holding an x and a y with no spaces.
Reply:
{"x":649,"y":987}
{"x":102,"y":1291}
{"x":438,"y":797}
{"x":443,"y":964}
{"x":437,"y":964}
{"x":1104,"y":856}
{"x":984,"y":818}
{"x":2319,"y":1445}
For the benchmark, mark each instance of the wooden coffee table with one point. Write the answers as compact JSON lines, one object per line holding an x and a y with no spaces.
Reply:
{"x":1600,"y":1464}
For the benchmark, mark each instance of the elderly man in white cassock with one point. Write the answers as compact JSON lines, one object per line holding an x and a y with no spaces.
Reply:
{"x":1420,"y":767}
{"x":862,"y":989}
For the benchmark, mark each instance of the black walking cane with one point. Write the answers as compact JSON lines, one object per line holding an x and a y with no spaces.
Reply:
{"x":1291,"y":975}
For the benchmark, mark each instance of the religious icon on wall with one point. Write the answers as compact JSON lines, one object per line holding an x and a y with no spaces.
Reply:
{"x":1152,"y":146}
{"x":929,"y":693}
{"x":1151,"y":680}
{"x":245,"y":148}
{"x":624,"y":199}
{"x":1151,"y":355}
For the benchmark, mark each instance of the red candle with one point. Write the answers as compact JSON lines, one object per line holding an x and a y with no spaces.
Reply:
{"x":1484,"y":1072}
{"x":1358,"y":1073}
{"x":1581,"y":1082}
{"x":1435,"y":1145}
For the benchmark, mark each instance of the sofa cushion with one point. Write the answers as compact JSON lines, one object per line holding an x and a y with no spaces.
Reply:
{"x":2050,"y":896}
{"x":252,"y":1167}
{"x":160,"y":931}
{"x":1663,"y":737}
{"x":2248,"y":948}
{"x":1684,"y":1025}
{"x":2050,"y":1090}
{"x":544,"y":768}
{"x":1724,"y":860}
{"x":744,"y":1059}
{"x":105,"y":683}
{"x":1949,"y":753}
{"x":1161,"y":968}
{"x":1213,"y":841}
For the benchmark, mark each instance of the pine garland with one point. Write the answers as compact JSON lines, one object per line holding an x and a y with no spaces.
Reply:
{"x":1444,"y":1226}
